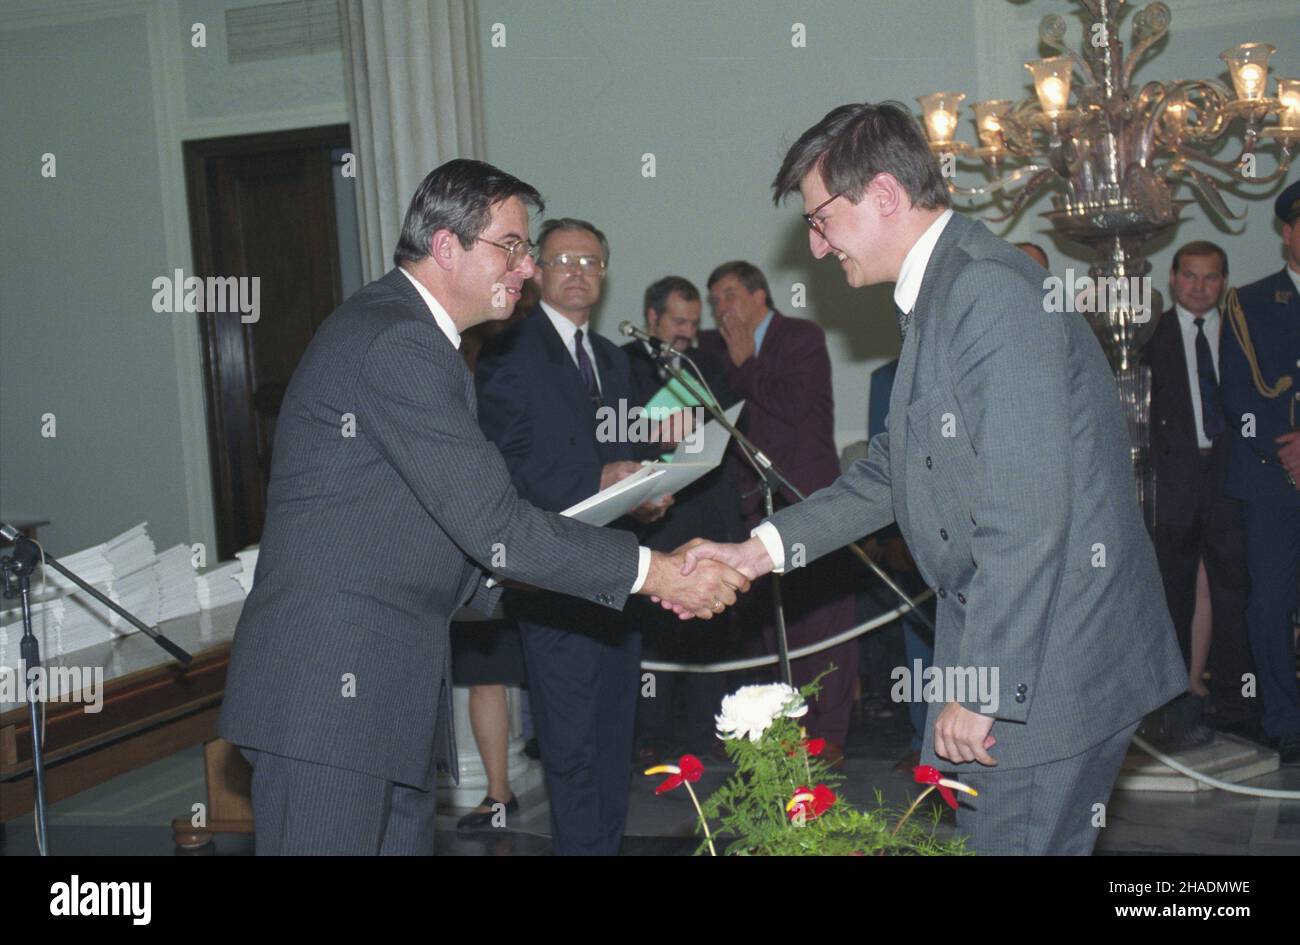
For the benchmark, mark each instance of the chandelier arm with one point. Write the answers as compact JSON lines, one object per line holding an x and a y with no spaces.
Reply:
{"x":1141,"y":46}
{"x":1022,"y":197}
{"x":1208,"y":188}
{"x":1231,"y":168}
{"x":1001,"y":183}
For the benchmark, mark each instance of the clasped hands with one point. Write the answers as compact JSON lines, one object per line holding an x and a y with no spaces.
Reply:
{"x":702,"y":578}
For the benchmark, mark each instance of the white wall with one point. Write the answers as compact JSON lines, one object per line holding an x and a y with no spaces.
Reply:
{"x":578,"y":94}
{"x":717,"y":92}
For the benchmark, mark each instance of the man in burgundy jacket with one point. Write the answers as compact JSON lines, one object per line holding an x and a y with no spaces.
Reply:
{"x":781,"y":367}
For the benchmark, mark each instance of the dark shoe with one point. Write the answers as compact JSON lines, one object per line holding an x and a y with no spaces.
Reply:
{"x":482,"y":820}
{"x":1248,"y":729}
{"x":908,"y":762}
{"x":531,"y":749}
{"x":1288,"y":750}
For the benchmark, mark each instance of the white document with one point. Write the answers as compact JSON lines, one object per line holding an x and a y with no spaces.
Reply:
{"x":657,"y":479}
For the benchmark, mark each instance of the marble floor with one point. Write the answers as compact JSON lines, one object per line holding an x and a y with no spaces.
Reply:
{"x":131,"y":814}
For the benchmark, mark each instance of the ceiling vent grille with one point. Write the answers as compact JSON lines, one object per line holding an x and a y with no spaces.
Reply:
{"x":279,"y":30}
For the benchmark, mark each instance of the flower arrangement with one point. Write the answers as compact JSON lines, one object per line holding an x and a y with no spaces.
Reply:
{"x":782,"y":799}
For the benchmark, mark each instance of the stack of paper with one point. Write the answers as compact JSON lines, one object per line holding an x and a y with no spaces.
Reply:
{"x":248,"y":558}
{"x":177,"y":591}
{"x":220,"y":585}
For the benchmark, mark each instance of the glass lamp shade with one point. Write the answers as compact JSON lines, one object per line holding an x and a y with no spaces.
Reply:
{"x":1248,"y":66}
{"x":1288,"y":93}
{"x":988,"y":120}
{"x":939,"y":115}
{"x":1052,"y":83}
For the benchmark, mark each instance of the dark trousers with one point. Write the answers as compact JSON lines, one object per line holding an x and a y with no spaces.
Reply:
{"x":676,"y":711}
{"x":584,"y":689}
{"x":1273,"y":557}
{"x":1215,"y":535}
{"x":819,"y":603}
{"x":1044,"y":810}
{"x":301,"y":808}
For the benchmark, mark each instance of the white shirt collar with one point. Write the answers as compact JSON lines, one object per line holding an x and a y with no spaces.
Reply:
{"x":435,"y":308}
{"x":565,"y":327}
{"x":1189,"y":320}
{"x":1295,"y":277}
{"x":912,"y":271}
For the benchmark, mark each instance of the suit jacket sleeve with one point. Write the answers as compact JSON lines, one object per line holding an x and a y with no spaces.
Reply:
{"x":858,"y":503}
{"x":413,"y":400}
{"x":1006,"y":355}
{"x":789,"y":383}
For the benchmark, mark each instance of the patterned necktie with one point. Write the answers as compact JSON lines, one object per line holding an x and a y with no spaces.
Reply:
{"x":584,"y":365}
{"x":904,"y":322}
{"x":1212,"y":421}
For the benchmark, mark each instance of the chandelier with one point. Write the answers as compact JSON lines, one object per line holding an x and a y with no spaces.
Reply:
{"x":1115,"y":154}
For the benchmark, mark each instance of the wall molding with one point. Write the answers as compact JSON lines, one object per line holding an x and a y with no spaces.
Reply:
{"x":258,"y":122}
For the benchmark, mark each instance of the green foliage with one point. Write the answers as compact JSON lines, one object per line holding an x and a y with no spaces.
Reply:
{"x":749,"y":810}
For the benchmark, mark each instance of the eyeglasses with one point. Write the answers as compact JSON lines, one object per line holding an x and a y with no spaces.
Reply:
{"x":811,"y":218}
{"x":515,"y":252}
{"x":572,"y":262}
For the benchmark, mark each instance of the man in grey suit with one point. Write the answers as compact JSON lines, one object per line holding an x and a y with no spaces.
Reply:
{"x":1006,"y":466}
{"x":385,"y":504}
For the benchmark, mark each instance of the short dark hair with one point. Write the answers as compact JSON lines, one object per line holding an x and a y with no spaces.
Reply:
{"x":1025,"y":244}
{"x":458,"y":196}
{"x":854,"y":143}
{"x":750,"y":276}
{"x":570,"y":223}
{"x":1201,"y":248}
{"x":657,"y":293}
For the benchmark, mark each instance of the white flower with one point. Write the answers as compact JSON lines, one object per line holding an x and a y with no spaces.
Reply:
{"x":751,"y":709}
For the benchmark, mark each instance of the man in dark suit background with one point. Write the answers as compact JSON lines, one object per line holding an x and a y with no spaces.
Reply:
{"x":781,"y":368}
{"x":385,"y":503}
{"x":1260,"y":387}
{"x":542,"y":388}
{"x":709,"y":508}
{"x":1194,"y":519}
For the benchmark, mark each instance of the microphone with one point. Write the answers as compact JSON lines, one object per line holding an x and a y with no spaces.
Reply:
{"x":9,"y":533}
{"x":631,"y":331}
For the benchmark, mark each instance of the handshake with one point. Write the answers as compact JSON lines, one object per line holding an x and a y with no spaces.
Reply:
{"x":702,"y":578}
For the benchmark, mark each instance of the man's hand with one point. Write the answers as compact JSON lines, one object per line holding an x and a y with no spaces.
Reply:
{"x":708,"y":590}
{"x":652,"y":510}
{"x":674,"y":428}
{"x":961,"y":735}
{"x":749,"y":559}
{"x":611,"y":473}
{"x":739,"y":338}
{"x":1289,"y":454}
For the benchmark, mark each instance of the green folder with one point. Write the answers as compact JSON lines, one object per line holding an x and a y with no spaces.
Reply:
{"x":673,"y":396}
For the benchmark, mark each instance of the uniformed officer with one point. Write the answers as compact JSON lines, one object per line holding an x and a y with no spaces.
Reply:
{"x":1260,"y":390}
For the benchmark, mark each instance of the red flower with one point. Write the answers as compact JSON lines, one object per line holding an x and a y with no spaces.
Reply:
{"x":926,"y":774}
{"x":811,"y":803}
{"x":688,"y":768}
{"x":815,"y":746}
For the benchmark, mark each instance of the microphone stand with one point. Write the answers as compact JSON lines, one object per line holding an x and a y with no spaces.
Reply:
{"x":768,"y":473}
{"x":16,"y":571}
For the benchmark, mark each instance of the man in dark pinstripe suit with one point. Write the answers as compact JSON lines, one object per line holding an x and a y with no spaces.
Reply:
{"x":385,"y":503}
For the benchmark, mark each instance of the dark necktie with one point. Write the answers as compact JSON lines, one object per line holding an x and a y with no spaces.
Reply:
{"x":1212,"y":421}
{"x":584,"y":365}
{"x":904,"y":321}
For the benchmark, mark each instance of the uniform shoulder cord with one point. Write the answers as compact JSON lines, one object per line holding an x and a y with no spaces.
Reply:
{"x":1237,"y":319}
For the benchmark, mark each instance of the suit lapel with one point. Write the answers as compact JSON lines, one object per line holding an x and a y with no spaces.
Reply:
{"x":396,"y":280}
{"x":900,"y":397}
{"x":566,"y":368}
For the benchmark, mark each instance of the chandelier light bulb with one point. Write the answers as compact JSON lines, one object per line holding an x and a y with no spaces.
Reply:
{"x":1248,"y":66}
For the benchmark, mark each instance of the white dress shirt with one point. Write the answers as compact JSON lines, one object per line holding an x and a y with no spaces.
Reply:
{"x":449,"y":329}
{"x":568,"y":331}
{"x":439,"y":313}
{"x":906,"y":290}
{"x":1187,"y":324}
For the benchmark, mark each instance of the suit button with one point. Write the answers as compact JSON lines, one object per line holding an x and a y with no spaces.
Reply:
{"x":929,"y":464}
{"x":943,"y":533}
{"x":961,"y":598}
{"x":1020,"y":697}
{"x":942,"y":592}
{"x":1022,"y":688}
